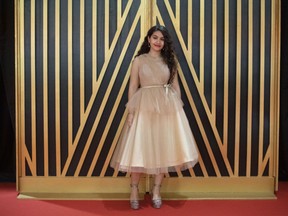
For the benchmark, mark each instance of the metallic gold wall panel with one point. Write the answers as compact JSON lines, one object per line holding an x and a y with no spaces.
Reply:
{"x":225,"y":50}
{"x":73,"y":61}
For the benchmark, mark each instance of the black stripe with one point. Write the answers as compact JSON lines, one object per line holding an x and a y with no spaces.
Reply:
{"x":208,"y":52}
{"x":39,"y":86}
{"x":76,"y":65}
{"x":88,"y":51}
{"x":184,"y":20}
{"x":100,"y":35}
{"x":112,"y":19}
{"x":27,"y":61}
{"x":51,"y":88}
{"x":256,"y":88}
{"x":244,"y":90}
{"x":220,"y":68}
{"x":64,"y":80}
{"x":196,"y":35}
{"x":268,"y":73}
{"x":232,"y":80}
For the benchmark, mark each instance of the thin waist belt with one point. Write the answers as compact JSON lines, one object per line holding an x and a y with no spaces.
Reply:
{"x":166,"y":86}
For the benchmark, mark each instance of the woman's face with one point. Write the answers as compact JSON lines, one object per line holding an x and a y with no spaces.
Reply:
{"x":156,"y":41}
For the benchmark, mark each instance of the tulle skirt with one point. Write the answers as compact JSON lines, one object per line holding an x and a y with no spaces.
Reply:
{"x":160,"y":139}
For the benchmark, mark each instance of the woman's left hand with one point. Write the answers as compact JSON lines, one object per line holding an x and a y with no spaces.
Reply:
{"x":130,"y":119}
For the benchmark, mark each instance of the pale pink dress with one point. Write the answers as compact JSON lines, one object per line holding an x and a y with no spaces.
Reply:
{"x":160,"y":139}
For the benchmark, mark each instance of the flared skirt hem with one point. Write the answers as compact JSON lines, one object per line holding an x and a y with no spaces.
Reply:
{"x":154,"y":171}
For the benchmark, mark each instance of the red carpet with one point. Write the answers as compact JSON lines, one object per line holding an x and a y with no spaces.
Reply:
{"x":10,"y":206}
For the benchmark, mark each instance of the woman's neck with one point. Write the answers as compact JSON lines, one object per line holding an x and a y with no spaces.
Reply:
{"x":154,"y":54}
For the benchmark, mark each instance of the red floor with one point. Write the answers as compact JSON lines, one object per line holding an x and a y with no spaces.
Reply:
{"x":10,"y":206}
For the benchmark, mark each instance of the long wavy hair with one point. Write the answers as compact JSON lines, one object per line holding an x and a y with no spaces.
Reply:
{"x":167,"y":52}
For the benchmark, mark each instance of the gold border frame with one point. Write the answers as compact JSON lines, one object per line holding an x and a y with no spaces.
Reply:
{"x":26,"y":185}
{"x":172,"y":189}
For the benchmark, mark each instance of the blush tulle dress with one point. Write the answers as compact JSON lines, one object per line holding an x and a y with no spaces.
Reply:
{"x":160,"y":139}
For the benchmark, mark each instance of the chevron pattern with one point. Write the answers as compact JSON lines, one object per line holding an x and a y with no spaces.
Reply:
{"x":73,"y":71}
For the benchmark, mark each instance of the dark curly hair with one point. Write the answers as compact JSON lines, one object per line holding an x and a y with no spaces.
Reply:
{"x":167,"y":53}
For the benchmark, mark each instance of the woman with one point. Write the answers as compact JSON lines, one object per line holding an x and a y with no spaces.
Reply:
{"x":156,"y":138}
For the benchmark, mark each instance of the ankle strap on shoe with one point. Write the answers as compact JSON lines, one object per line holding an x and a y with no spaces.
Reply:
{"x":134,"y":185}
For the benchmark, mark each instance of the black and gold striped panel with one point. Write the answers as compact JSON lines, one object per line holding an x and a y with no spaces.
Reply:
{"x":226,"y":53}
{"x":73,"y":70}
{"x":75,"y":58}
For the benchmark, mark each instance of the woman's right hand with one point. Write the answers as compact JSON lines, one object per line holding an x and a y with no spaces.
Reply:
{"x":130,"y":119}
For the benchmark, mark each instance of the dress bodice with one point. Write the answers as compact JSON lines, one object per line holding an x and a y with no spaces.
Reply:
{"x":152,"y":71}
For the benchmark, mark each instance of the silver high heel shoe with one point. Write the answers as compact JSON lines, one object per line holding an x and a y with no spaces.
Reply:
{"x":134,"y":204}
{"x":156,"y":201}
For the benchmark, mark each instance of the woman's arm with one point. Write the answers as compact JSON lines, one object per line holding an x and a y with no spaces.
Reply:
{"x":133,"y":86}
{"x":175,"y":84}
{"x":134,"y":78}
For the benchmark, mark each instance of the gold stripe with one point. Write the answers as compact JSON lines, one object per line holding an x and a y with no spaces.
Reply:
{"x":148,"y":17}
{"x":17,"y":13}
{"x":106,"y":25}
{"x":82,"y":59}
{"x":21,"y":92}
{"x":70,"y":78}
{"x":250,"y":87}
{"x":57,"y":88}
{"x":92,"y":99}
{"x":238,"y":87}
{"x":33,"y":87}
{"x":154,"y":10}
{"x":214,"y":59}
{"x":119,"y":8}
{"x":226,"y":75}
{"x":104,"y":101}
{"x":94,"y":44}
{"x":272,"y":82}
{"x":179,"y":174}
{"x":265,"y":161}
{"x":28,"y":160}
{"x":144,"y":23}
{"x":262,"y":86}
{"x":45,"y":87}
{"x":274,"y":168}
{"x":177,"y":13}
{"x":202,"y":52}
{"x":192,"y":173}
{"x":275,"y":87}
{"x":189,"y":31}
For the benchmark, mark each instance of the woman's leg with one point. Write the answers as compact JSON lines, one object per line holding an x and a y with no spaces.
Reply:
{"x":156,"y":197}
{"x":135,"y":178}
{"x":134,"y":196}
{"x":157,"y":184}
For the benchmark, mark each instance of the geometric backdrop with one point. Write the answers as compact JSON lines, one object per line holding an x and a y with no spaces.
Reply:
{"x":73,"y":64}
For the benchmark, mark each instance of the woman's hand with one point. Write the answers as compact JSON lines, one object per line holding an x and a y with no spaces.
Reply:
{"x":130,"y":119}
